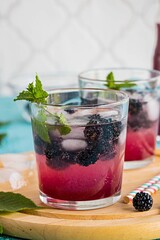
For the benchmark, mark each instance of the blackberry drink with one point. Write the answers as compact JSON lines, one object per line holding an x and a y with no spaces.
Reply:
{"x":79,"y":146}
{"x":141,"y":85}
{"x":141,"y":130}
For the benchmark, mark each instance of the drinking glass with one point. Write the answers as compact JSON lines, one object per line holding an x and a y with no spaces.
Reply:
{"x":79,"y":139}
{"x":143,"y":115}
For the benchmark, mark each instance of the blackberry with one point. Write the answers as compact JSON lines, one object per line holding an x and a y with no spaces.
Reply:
{"x":142,"y":201}
{"x":53,"y":149}
{"x":68,"y":157}
{"x":135,"y":106}
{"x":102,"y":136}
{"x":107,"y":149}
{"x":55,"y":157}
{"x":39,"y":144}
{"x":93,"y":131}
{"x":70,"y":110}
{"x":140,"y":121}
{"x":87,"y":156}
{"x":111,"y":129}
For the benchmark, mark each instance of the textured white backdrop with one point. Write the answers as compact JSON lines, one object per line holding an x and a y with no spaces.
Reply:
{"x":73,"y":35}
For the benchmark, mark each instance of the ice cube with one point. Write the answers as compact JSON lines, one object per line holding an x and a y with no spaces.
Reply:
{"x":153,"y":109}
{"x":76,"y":133}
{"x":5,"y":174}
{"x":73,"y":144}
{"x":17,"y":181}
{"x":108,"y":113}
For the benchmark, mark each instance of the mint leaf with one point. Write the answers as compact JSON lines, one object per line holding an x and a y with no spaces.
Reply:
{"x":62,"y":124}
{"x":3,"y":123}
{"x":39,"y":125}
{"x":14,"y":202}
{"x":2,"y":136}
{"x":110,"y":80}
{"x":110,"y":83}
{"x":34,"y":93}
{"x":1,"y":229}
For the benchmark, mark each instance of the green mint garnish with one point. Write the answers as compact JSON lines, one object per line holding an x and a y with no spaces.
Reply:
{"x":1,"y":229}
{"x":3,"y":123}
{"x":110,"y":83}
{"x":62,"y":126}
{"x":2,"y":136}
{"x":41,"y":129}
{"x":39,"y":125}
{"x":14,"y":202}
{"x":34,"y":93}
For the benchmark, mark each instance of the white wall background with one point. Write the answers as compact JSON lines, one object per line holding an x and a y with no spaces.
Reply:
{"x":73,"y":35}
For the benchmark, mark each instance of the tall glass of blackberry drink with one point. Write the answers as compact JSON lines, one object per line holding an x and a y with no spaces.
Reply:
{"x":79,"y":138}
{"x":141,"y":85}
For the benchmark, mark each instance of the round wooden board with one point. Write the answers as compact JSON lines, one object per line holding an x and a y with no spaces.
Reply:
{"x":119,"y":221}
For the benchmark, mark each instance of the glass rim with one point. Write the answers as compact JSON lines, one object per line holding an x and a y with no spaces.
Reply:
{"x":151,"y":79}
{"x":125,"y":97}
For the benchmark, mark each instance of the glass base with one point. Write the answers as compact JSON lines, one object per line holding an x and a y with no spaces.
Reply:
{"x":79,"y":205}
{"x":138,"y":164}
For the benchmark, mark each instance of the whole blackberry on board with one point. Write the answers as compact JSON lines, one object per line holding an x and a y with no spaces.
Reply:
{"x":142,"y":201}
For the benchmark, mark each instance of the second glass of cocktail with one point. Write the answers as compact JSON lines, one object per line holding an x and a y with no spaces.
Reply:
{"x":79,"y":138}
{"x":141,"y":85}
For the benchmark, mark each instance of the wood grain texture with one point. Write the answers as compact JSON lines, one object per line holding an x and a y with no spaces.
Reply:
{"x":119,"y":221}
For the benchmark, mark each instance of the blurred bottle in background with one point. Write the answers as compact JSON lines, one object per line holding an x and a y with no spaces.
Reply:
{"x":156,"y":58}
{"x":156,"y":65}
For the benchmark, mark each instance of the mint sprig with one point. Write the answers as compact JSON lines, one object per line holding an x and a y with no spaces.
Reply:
{"x":2,"y":136}
{"x":14,"y":202}
{"x":34,"y":93}
{"x":3,"y":123}
{"x":110,"y":83}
